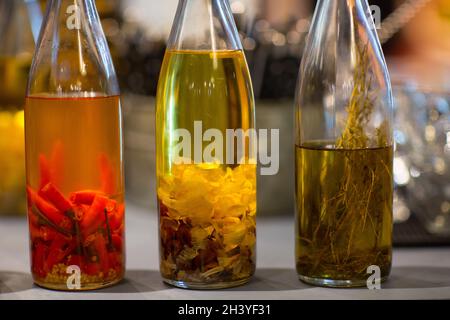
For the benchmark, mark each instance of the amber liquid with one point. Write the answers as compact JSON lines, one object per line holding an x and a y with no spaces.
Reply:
{"x":344,"y":214}
{"x":207,"y":210}
{"x":75,"y":145}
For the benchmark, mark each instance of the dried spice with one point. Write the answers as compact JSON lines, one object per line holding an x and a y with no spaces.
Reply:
{"x":207,"y":223}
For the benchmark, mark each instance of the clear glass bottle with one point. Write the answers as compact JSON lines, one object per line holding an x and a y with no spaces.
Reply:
{"x":74,"y":160}
{"x":207,"y":207}
{"x":18,"y":20}
{"x":344,"y":151}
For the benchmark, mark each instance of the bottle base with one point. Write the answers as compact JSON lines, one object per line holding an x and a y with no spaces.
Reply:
{"x":84,"y":287}
{"x":206,"y":286}
{"x":331,"y":283}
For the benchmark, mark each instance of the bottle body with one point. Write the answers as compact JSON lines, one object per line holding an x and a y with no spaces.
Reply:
{"x":207,"y":206}
{"x":74,"y":158}
{"x":344,"y":151}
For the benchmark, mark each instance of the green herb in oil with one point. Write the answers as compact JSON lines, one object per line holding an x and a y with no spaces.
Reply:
{"x":344,"y":194}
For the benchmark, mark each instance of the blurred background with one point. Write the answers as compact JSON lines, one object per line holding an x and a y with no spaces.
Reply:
{"x":416,"y":40}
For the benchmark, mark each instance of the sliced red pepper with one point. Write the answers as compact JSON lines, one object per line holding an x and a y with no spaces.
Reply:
{"x":115,"y":261}
{"x":88,"y":240}
{"x":116,"y":218}
{"x":111,"y":206}
{"x":43,"y":233}
{"x":32,"y":218}
{"x":60,"y":248}
{"x":84,"y":197}
{"x":76,"y":260}
{"x":52,"y":194}
{"x":44,"y":169}
{"x":35,"y":232}
{"x":79,"y":211}
{"x":107,"y":175}
{"x":92,"y":268}
{"x":117,"y":241}
{"x":38,"y":260}
{"x":95,"y":216}
{"x":51,"y":213}
{"x":102,"y":253}
{"x":48,"y":234}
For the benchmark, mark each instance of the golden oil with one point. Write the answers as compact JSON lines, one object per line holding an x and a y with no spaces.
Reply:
{"x":207,"y":210}
{"x":207,"y":86}
{"x":344,"y":212}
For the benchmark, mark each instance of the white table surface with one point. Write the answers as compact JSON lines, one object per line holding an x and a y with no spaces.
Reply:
{"x":418,"y":273}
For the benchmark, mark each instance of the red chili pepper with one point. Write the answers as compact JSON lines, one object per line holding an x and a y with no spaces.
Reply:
{"x":111,"y":206}
{"x":48,"y":234}
{"x":95,"y":216}
{"x":76,"y":260}
{"x":117,"y":241}
{"x":91,"y":268}
{"x":116,"y":218}
{"x":32,"y":218}
{"x":48,"y":210}
{"x":84,"y":197}
{"x":102,"y":252}
{"x":60,"y":248}
{"x":44,"y":170}
{"x":43,"y":233}
{"x":107,"y":175}
{"x":79,"y":211}
{"x":88,"y":240}
{"x":35,"y":232}
{"x":38,"y":260}
{"x":115,"y":261}
{"x":52,"y":194}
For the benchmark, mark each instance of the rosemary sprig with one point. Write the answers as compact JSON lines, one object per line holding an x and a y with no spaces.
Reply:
{"x":354,"y":189}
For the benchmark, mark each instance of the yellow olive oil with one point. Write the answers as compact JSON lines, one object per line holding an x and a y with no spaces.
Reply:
{"x":207,"y":210}
{"x":213,"y":87}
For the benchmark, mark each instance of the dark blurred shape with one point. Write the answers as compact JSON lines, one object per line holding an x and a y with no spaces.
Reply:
{"x":19,"y":25}
{"x":422,"y":161}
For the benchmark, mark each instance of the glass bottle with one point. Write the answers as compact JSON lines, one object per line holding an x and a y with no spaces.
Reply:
{"x":344,"y":151}
{"x":74,"y":160}
{"x":206,"y":199}
{"x":18,"y":20}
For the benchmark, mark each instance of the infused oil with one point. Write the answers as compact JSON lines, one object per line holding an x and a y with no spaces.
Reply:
{"x":207,"y":210}
{"x":74,"y":158}
{"x":209,"y":86}
{"x":344,"y":211}
{"x":75,"y":190}
{"x":344,"y":151}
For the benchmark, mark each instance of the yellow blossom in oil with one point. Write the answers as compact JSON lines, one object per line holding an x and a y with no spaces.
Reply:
{"x":208,"y":221}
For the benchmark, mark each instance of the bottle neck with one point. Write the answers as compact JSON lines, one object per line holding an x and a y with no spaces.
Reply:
{"x":353,"y":5}
{"x":72,"y":56}
{"x":72,"y":13}
{"x":204,"y":25}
